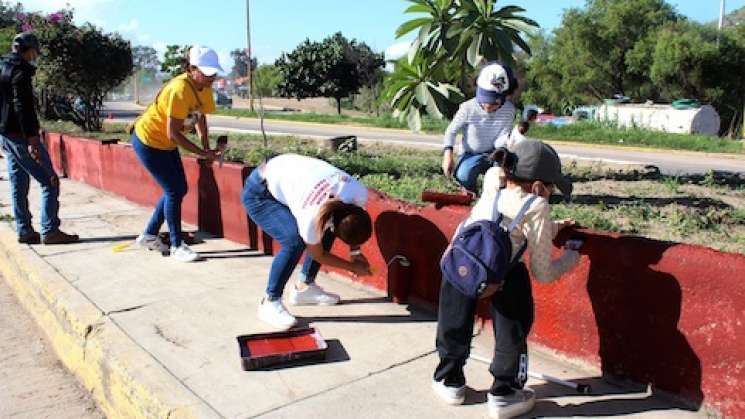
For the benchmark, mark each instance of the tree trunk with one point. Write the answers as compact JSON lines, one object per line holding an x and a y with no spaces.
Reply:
{"x":338,"y":105}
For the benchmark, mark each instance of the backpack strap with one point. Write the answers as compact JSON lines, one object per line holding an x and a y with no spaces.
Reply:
{"x":519,"y":217}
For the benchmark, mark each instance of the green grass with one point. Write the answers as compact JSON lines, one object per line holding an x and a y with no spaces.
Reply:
{"x":582,"y":132}
{"x":431,"y":125}
{"x":598,"y":133}
{"x":110,"y":131}
{"x":696,"y":211}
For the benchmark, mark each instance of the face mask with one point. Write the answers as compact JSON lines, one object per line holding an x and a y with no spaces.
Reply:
{"x":33,"y":63}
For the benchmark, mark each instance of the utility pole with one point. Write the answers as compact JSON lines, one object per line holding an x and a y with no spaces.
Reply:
{"x":248,"y":53}
{"x":721,"y":21}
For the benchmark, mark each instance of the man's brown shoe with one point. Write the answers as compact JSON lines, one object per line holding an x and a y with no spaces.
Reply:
{"x":58,"y":237}
{"x":30,"y":238}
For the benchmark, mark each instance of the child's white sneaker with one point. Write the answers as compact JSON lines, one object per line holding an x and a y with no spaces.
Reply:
{"x":518,"y":403}
{"x":275,"y":314}
{"x":151,"y":242}
{"x":450,"y":395}
{"x":184,"y":253}
{"x":312,"y":295}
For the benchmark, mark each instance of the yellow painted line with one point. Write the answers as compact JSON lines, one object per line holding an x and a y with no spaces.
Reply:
{"x":125,"y":381}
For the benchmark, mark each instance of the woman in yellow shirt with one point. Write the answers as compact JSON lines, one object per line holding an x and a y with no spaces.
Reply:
{"x":179,"y":107}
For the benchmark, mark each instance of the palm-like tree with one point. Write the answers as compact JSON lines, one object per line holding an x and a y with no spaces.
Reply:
{"x":415,"y":91}
{"x":491,"y":34}
{"x":454,"y":38}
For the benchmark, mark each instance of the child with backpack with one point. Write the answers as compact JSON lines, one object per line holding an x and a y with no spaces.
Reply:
{"x":483,"y":261}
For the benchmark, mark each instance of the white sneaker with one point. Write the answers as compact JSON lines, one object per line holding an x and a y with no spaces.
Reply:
{"x":151,"y":242}
{"x":518,"y":403}
{"x":184,"y":254}
{"x":450,"y":395}
{"x":275,"y":313}
{"x":312,"y":295}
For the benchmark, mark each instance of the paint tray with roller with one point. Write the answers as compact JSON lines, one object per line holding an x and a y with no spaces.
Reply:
{"x":279,"y":348}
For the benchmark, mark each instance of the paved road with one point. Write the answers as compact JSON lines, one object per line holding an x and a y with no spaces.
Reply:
{"x":669,"y":162}
{"x":33,"y":384}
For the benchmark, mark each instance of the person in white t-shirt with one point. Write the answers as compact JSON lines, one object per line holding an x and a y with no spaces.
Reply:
{"x":305,"y":203}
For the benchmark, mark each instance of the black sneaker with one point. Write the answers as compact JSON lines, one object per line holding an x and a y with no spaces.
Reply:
{"x":58,"y":237}
{"x":30,"y":238}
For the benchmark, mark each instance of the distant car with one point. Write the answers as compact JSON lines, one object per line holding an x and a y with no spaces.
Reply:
{"x":222,"y":99}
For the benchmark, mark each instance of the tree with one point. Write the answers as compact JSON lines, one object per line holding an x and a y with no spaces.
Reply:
{"x":240,"y":69}
{"x":145,"y":58}
{"x":454,"y":38}
{"x":266,"y":80}
{"x":688,"y":63}
{"x":415,"y":91}
{"x":335,"y":67}
{"x":174,"y":60}
{"x":603,"y":49}
{"x":78,"y":67}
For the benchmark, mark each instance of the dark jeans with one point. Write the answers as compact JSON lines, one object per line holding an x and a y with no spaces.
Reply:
{"x":21,"y":168}
{"x":276,"y":220}
{"x":168,"y":170}
{"x":512,"y":317}
{"x":468,"y":169}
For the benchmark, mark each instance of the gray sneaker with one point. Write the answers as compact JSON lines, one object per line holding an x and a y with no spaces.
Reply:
{"x":518,"y":403}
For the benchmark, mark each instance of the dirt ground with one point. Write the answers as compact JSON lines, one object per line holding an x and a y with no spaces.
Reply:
{"x":707,"y":210}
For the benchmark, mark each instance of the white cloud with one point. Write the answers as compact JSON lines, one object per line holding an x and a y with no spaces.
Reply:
{"x":397,"y":50}
{"x":130,"y":26}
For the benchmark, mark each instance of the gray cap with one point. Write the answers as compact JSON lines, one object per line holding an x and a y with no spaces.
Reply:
{"x":539,"y":161}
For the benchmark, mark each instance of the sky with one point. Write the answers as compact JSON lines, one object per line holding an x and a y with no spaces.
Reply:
{"x":279,"y":25}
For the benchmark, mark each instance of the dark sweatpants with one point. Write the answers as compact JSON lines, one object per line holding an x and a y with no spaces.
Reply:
{"x":512,"y":316}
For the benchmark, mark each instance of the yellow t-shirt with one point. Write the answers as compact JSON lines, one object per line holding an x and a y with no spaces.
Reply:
{"x":176,"y":100}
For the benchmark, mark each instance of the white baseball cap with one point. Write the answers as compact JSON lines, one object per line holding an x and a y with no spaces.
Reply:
{"x":205,"y":59}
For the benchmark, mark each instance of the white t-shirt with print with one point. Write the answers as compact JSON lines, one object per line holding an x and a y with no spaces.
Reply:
{"x":304,"y":184}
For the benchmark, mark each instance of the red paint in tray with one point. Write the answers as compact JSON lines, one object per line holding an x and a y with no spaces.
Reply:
{"x":268,"y":349}
{"x":277,"y":346}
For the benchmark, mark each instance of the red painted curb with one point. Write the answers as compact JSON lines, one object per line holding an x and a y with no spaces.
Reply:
{"x":665,"y":314}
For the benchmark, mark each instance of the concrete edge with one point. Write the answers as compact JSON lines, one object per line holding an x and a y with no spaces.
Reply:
{"x":125,"y":381}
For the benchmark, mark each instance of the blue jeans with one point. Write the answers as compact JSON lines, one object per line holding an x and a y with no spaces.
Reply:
{"x":276,"y":220}
{"x":168,"y":170}
{"x":20,"y":168}
{"x":469,"y":167}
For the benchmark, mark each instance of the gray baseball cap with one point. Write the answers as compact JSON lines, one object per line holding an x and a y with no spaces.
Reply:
{"x":539,"y":161}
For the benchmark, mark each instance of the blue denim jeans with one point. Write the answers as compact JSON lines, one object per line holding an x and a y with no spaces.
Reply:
{"x":168,"y":170}
{"x":469,"y":167}
{"x":21,"y":167}
{"x":276,"y":220}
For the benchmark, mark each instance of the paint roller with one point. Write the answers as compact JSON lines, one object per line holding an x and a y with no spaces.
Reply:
{"x":578,"y":387}
{"x":441,"y":199}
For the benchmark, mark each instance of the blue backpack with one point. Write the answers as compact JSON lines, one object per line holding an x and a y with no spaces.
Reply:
{"x":481,"y":254}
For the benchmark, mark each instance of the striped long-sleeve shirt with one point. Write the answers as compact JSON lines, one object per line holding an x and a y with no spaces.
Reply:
{"x":482,"y":131}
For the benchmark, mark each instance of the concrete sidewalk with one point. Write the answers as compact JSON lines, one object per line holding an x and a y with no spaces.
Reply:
{"x":155,"y":338}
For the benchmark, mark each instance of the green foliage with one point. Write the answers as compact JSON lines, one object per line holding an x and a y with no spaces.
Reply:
{"x":335,"y":67}
{"x":77,"y":68}
{"x":266,"y":80}
{"x":240,"y":63}
{"x":689,"y":63}
{"x":6,"y":39}
{"x":603,"y":49}
{"x":174,"y":60}
{"x":145,"y":58}
{"x":592,"y":132}
{"x":415,"y":91}
{"x":454,"y":37}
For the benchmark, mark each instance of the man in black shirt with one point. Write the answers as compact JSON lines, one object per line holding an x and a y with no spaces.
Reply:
{"x":19,"y":138}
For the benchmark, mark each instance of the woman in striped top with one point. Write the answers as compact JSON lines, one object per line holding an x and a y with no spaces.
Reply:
{"x":486,"y":122}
